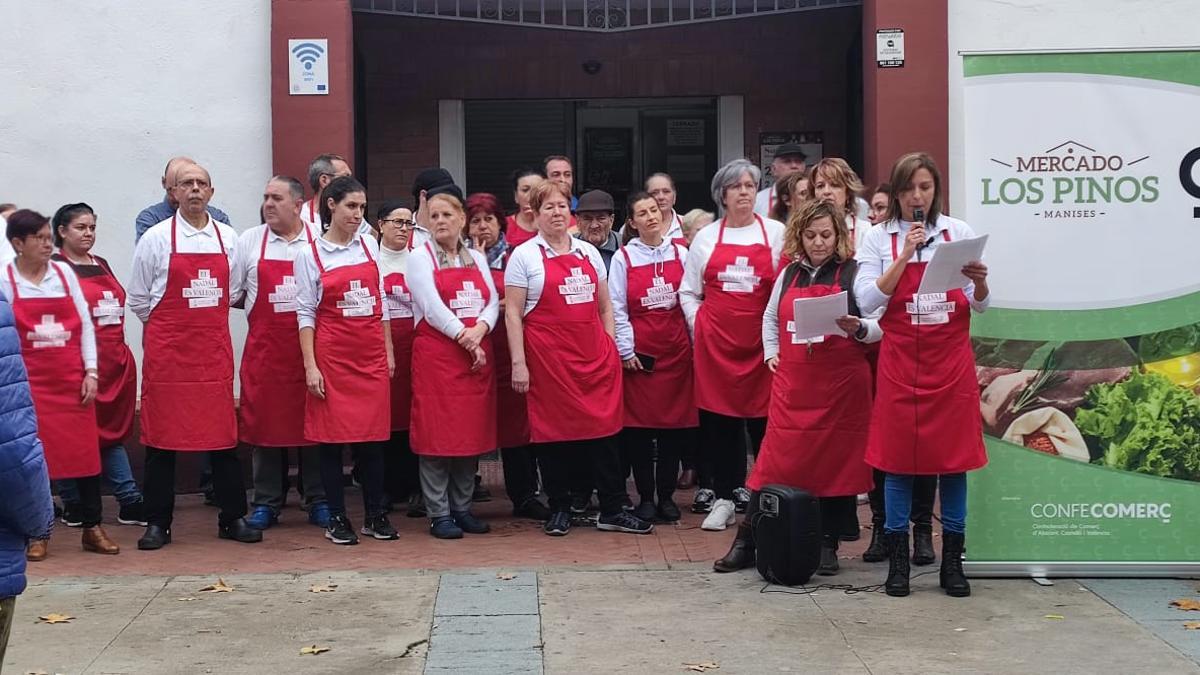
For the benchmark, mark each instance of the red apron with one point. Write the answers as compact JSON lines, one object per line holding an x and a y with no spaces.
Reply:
{"x":512,"y":410}
{"x":116,"y":398}
{"x":351,"y":356}
{"x":516,"y":235}
{"x":731,"y":378}
{"x":454,"y":409}
{"x":664,"y":398}
{"x":187,"y":356}
{"x":272,"y":375}
{"x":399,"y":304}
{"x":820,"y":409}
{"x":50,"y":330}
{"x":926,"y":417}
{"x":574,"y":371}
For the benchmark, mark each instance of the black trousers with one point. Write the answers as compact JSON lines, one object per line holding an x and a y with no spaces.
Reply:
{"x":520,"y":473}
{"x":400,"y":475}
{"x":229,"y":492}
{"x":835,"y":513}
{"x":924,"y":490}
{"x":723,"y":448}
{"x":655,"y":475}
{"x":368,"y":466}
{"x":560,"y":461}
{"x":88,"y":509}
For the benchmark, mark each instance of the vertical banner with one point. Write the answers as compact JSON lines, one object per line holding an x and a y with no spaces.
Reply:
{"x":1084,"y":168}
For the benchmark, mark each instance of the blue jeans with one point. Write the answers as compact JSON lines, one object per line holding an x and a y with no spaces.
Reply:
{"x":115,"y":469}
{"x":897,"y":499}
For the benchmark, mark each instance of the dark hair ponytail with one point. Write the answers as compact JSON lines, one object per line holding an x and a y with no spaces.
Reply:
{"x":337,"y":190}
{"x":63,"y":217}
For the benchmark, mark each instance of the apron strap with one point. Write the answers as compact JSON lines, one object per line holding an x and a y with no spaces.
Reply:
{"x":628,"y":262}
{"x":13,"y":280}
{"x":316,"y":255}
{"x":363,"y":242}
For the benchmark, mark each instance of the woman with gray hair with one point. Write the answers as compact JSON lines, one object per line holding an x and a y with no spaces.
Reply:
{"x":730,"y":269}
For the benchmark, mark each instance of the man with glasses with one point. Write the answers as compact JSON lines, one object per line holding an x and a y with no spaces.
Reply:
{"x":596,"y":214}
{"x":156,"y":213}
{"x":271,"y":407}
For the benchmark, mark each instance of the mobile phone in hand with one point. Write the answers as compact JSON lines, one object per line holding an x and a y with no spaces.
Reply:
{"x":646,"y":361}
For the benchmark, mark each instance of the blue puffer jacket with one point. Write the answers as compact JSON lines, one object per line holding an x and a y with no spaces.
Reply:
{"x":25,"y":507}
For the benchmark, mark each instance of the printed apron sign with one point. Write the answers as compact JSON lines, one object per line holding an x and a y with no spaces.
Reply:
{"x":1089,"y":358}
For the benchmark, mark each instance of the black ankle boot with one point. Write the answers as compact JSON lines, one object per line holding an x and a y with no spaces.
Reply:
{"x":951,"y":576}
{"x":829,"y":557}
{"x":741,"y":554}
{"x":898,"y":569}
{"x":922,"y":553}
{"x":876,"y":551}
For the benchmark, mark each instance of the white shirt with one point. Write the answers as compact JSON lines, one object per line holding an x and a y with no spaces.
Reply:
{"x":7,"y":254}
{"x":875,"y":255}
{"x":398,"y":302}
{"x":51,"y":287}
{"x":764,"y":200}
{"x":691,"y":291}
{"x":246,"y":256}
{"x":527,"y":270}
{"x":858,"y":228}
{"x":333,"y":256}
{"x":640,"y":254}
{"x":770,"y":325}
{"x":152,"y":256}
{"x":428,"y":304}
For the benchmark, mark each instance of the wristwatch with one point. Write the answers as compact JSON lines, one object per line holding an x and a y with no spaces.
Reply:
{"x":861,"y":332}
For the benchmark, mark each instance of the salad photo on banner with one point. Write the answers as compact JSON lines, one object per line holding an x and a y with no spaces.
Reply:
{"x":1089,"y":358}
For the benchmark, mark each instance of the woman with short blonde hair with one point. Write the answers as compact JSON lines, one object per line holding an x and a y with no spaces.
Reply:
{"x":832,"y":180}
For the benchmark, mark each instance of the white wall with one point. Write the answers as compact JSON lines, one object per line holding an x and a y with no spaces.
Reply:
{"x":96,"y":96}
{"x":1035,"y":25}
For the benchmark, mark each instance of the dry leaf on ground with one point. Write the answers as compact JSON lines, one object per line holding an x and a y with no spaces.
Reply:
{"x":1055,"y":616}
{"x":313,"y":649}
{"x":1191,"y":625}
{"x":701,"y":667}
{"x":1186,"y":604}
{"x":505,"y":576}
{"x":219,"y":587}
{"x":55,"y":618}
{"x":327,"y":588}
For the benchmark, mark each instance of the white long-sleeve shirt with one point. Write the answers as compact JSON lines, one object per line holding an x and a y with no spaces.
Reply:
{"x":51,"y":286}
{"x":858,"y":229}
{"x":691,"y":291}
{"x":640,"y":254}
{"x":875,"y":256}
{"x":527,"y":269}
{"x":770,"y":325}
{"x":151,"y":258}
{"x":333,"y":256}
{"x":246,"y":256}
{"x":428,"y":304}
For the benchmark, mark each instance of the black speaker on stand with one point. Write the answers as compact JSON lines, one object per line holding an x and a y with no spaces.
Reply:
{"x":787,"y":535}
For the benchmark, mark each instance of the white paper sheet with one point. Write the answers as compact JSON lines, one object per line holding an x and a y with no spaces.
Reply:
{"x":816,"y":317}
{"x":944,"y":271}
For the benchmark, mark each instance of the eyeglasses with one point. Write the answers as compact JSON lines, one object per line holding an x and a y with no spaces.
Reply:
{"x":401,"y":222}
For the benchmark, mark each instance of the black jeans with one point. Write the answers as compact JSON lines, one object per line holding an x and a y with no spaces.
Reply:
{"x":924,"y":490}
{"x":400,"y":477}
{"x":368,"y":466}
{"x":723,"y":448}
{"x":560,"y":461}
{"x":835,"y":512}
{"x":520,"y":473}
{"x":653,"y":476}
{"x":88,"y":508}
{"x":228,"y":490}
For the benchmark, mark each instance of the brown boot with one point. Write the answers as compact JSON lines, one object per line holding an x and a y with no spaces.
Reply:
{"x":96,"y":540}
{"x":37,"y":550}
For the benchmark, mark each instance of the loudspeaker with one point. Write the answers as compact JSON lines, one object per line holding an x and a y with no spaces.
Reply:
{"x":787,"y":535}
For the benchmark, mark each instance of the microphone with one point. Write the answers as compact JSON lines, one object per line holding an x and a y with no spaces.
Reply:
{"x":919,"y":217}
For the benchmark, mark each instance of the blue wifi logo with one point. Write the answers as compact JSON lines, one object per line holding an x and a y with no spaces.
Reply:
{"x":308,"y":53}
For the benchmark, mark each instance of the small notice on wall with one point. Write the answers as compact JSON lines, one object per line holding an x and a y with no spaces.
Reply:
{"x":685,"y":132}
{"x":308,"y":66}
{"x":889,"y":47}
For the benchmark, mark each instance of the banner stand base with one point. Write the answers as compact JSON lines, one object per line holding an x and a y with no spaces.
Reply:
{"x":1047,"y":570}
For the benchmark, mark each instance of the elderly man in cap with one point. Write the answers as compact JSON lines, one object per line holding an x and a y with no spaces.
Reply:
{"x":596,"y":215}
{"x":789,"y":159}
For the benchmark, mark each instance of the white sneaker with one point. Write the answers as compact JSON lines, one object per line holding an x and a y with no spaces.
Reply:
{"x":721,"y":516}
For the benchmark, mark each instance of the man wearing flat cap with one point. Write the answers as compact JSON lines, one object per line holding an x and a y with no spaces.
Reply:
{"x":789,"y":159}
{"x":596,"y":214}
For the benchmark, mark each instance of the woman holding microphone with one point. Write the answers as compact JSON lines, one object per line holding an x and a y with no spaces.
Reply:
{"x":925,"y":419}
{"x":454,"y":394}
{"x":730,"y":268}
{"x":560,"y":334}
{"x":348,"y":360}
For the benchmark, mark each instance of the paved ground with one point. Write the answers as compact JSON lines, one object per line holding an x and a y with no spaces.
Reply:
{"x":519,"y":602}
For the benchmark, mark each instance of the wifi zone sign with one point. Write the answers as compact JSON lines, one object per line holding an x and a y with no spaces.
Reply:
{"x":308,"y":66}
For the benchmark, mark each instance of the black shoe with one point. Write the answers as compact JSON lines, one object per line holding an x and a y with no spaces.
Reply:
{"x":154,"y":538}
{"x":876,"y":551}
{"x":741,"y":499}
{"x":668,"y":510}
{"x":380,"y":528}
{"x":70,"y":515}
{"x":741,"y":553}
{"x":340,"y":531}
{"x":470,"y":524}
{"x":580,"y":503}
{"x":829,"y":561}
{"x":623,"y":521}
{"x":481,"y":494}
{"x":416,"y":505}
{"x":239,"y":530}
{"x":133,"y":513}
{"x":645,"y":510}
{"x":898,"y":569}
{"x":922,"y":553}
{"x":703,"y":501}
{"x":626,"y":503}
{"x":951,"y":576}
{"x":533,"y":509}
{"x":558,"y":525}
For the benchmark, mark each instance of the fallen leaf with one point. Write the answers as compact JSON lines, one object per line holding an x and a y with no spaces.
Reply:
{"x":327,"y":588}
{"x":701,"y":667}
{"x":56,"y":618}
{"x":219,"y":587}
{"x":187,"y":599}
{"x":1191,"y":625}
{"x":505,"y":576}
{"x":1186,"y":604}
{"x":1055,"y":616}
{"x":314,"y":650}
{"x":960,"y":630}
